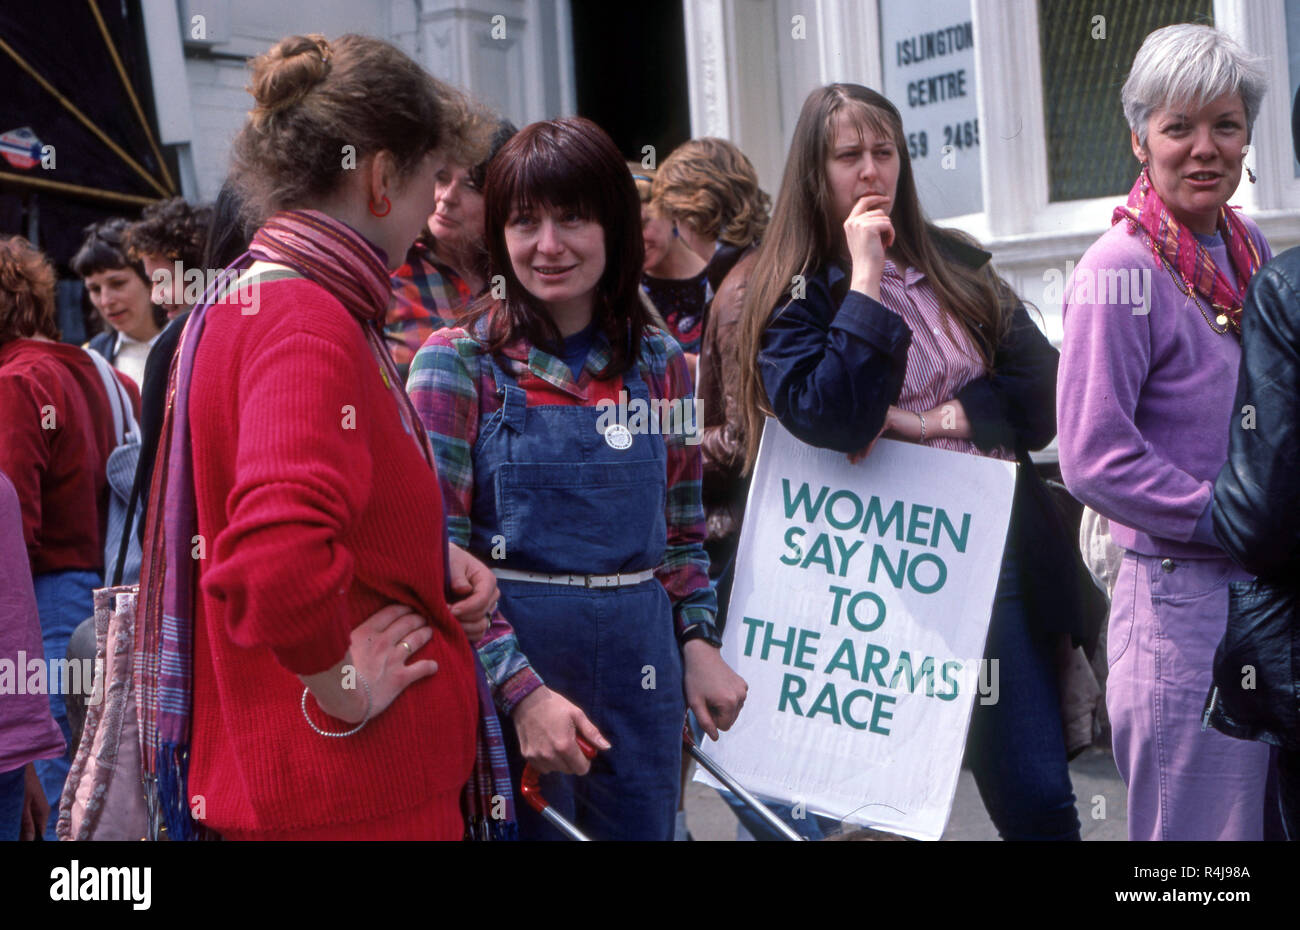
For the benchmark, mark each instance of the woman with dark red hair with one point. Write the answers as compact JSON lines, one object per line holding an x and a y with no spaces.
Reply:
{"x":593,"y":519}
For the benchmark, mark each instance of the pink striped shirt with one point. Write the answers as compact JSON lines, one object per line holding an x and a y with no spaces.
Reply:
{"x":942,"y":358}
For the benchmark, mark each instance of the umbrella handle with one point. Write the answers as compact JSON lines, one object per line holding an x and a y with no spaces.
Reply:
{"x":531,"y":789}
{"x":532,"y":792}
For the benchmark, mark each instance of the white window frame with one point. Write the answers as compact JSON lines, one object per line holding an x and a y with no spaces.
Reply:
{"x":1013,"y":133}
{"x":1261,"y":27}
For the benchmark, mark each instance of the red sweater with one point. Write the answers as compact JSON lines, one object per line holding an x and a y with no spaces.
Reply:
{"x":56,"y":431}
{"x":317,"y":510}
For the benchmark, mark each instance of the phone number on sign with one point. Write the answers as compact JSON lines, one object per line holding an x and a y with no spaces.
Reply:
{"x":957,"y":135}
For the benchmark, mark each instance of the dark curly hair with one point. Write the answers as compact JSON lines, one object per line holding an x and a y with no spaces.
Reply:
{"x":104,"y":249}
{"x":170,"y":228}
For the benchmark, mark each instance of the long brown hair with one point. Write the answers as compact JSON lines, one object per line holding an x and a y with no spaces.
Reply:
{"x":803,"y":236}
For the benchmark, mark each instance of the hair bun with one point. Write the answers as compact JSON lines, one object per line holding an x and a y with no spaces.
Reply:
{"x":285,"y":74}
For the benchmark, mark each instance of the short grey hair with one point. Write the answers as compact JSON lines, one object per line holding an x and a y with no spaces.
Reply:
{"x":1186,"y":63}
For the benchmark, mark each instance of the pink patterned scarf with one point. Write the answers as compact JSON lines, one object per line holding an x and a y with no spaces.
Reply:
{"x":1177,"y":246}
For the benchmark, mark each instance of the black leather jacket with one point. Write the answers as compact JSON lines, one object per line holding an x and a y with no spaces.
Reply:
{"x":1256,"y":693}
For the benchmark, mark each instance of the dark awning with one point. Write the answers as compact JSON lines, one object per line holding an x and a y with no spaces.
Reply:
{"x":75,"y":76}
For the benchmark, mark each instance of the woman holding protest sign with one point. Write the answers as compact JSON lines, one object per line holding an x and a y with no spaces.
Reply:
{"x":862,"y":320}
{"x":1146,"y":409}
{"x":595,"y":525}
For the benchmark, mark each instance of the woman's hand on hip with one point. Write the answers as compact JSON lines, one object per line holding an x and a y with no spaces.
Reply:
{"x":476,"y":589}
{"x":868,"y":232}
{"x":549,"y":726}
{"x":713,"y":691}
{"x":381,"y":651}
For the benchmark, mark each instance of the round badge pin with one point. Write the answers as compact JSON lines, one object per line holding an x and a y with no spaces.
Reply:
{"x":618,"y":436}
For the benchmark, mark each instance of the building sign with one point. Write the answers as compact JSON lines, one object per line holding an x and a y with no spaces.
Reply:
{"x":928,"y":52}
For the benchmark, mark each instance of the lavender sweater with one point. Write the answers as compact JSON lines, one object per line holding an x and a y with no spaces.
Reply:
{"x":1144,"y":399}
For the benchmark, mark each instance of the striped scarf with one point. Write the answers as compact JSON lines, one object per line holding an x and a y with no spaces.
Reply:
{"x":336,"y":257}
{"x":1176,"y":245}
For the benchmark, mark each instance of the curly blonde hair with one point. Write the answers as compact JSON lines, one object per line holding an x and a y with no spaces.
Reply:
{"x":709,"y":184}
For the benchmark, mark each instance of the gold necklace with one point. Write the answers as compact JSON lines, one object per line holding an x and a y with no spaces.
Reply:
{"x":1221,"y":319}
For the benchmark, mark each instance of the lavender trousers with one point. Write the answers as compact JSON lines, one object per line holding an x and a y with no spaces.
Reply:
{"x":1184,"y":783}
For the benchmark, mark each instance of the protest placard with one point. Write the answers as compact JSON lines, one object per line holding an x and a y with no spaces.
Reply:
{"x":858,"y":617}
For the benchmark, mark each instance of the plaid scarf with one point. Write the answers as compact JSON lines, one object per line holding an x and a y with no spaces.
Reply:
{"x":1177,"y":246}
{"x":336,"y":257}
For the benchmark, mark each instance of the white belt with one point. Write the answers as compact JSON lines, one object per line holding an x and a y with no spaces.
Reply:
{"x":577,"y":581}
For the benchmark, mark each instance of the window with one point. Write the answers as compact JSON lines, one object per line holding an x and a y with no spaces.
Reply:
{"x":1087,"y":50}
{"x":928,"y":63}
{"x":1293,"y":54}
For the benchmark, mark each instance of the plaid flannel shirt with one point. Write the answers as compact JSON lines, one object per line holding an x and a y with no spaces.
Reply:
{"x":452,"y":385}
{"x":427,"y":295}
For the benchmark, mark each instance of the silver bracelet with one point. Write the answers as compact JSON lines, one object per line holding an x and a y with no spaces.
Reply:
{"x":921,"y":417}
{"x":357,"y":729}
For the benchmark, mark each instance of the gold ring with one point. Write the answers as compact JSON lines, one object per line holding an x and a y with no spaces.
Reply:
{"x":409,"y":650}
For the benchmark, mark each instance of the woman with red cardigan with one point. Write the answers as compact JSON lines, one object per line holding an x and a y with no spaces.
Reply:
{"x":299,"y":563}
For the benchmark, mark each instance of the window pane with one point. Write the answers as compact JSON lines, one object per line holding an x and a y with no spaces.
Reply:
{"x":1293,"y":54}
{"x":928,"y":57}
{"x":1088,"y":148}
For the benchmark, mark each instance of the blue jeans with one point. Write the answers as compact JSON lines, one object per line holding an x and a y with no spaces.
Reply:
{"x":63,"y":600}
{"x":12,"y":796}
{"x":1016,"y":748}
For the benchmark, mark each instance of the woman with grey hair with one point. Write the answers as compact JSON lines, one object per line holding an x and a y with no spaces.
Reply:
{"x":1144,"y":402}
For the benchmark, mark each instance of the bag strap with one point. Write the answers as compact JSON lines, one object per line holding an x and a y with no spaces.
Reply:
{"x":243,"y":280}
{"x":125,"y":427}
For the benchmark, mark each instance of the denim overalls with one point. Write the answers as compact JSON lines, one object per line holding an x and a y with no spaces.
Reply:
{"x":566,"y":501}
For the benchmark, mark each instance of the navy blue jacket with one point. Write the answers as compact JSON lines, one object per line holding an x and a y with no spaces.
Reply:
{"x":832,"y":363}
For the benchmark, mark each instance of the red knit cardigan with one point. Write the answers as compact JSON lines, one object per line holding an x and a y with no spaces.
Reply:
{"x":315,"y":509}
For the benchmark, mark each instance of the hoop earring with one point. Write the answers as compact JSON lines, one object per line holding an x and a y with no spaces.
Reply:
{"x":1250,"y":174}
{"x":387,"y":207}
